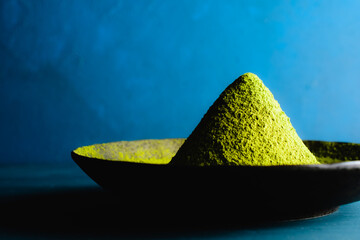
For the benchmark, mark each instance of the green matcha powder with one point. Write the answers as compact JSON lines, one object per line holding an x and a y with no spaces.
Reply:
{"x":244,"y":126}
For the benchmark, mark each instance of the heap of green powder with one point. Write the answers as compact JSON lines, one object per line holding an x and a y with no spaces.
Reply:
{"x":244,"y":126}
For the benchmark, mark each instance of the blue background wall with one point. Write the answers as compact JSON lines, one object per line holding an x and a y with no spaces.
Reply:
{"x":79,"y":72}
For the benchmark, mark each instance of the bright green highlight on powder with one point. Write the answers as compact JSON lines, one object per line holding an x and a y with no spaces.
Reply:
{"x":244,"y":126}
{"x":140,"y":151}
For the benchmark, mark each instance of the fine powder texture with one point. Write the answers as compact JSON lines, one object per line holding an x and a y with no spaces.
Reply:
{"x":244,"y":126}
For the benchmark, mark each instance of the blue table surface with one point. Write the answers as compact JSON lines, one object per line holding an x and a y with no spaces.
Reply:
{"x":51,"y":201}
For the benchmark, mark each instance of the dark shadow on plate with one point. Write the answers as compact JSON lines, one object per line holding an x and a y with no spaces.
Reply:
{"x":94,"y":212}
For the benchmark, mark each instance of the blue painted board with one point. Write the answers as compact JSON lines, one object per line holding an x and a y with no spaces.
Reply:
{"x":79,"y":72}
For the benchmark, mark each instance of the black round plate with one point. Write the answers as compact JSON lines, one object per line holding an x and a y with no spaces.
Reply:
{"x":219,"y":193}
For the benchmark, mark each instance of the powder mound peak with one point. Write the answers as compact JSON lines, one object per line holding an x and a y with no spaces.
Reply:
{"x":244,"y":126}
